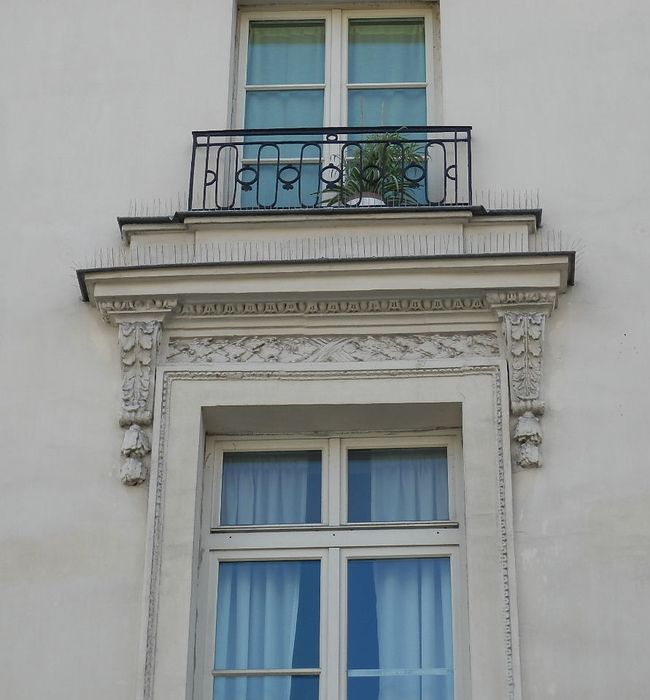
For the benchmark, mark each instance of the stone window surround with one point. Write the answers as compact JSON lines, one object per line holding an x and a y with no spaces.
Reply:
{"x":241,"y":335}
{"x":183,"y":398}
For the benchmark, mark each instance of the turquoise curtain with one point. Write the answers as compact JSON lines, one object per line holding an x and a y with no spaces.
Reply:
{"x":381,"y":52}
{"x":286,"y":53}
{"x":386,"y":51}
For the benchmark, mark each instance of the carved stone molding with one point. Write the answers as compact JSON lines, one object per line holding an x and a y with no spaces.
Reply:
{"x":114,"y":308}
{"x":521,"y":297}
{"x":524,"y":340}
{"x":304,"y":348}
{"x":159,"y":477}
{"x":135,"y":447}
{"x":139,"y":342}
{"x":352,"y":306}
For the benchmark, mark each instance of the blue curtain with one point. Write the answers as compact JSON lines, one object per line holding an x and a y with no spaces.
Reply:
{"x":401,"y":484}
{"x":267,"y":488}
{"x":400,"y":630}
{"x":267,"y":618}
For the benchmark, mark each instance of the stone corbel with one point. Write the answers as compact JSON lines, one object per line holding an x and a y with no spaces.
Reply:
{"x":139,"y":342}
{"x":139,"y":323}
{"x":523,"y":317}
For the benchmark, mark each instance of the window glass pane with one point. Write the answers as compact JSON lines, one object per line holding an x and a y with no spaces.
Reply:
{"x":400,"y":629}
{"x":268,"y":615}
{"x":386,"y":51}
{"x":268,"y":488}
{"x":266,"y":688}
{"x":286,"y":53}
{"x":270,"y":109}
{"x":389,"y":107}
{"x":400,"y":484}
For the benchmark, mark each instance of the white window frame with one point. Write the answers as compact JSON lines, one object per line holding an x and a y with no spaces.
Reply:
{"x":333,"y":542}
{"x":336,"y":65}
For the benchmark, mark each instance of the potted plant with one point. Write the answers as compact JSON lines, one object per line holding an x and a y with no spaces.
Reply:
{"x":385,"y":169}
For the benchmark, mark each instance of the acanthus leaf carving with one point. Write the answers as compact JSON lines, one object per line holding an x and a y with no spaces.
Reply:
{"x":138,"y":349}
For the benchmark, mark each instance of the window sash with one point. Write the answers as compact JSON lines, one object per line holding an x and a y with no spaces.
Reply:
{"x":333,"y":542}
{"x":334,"y":476}
{"x":336,"y":83}
{"x":333,"y":642}
{"x":222,"y":446}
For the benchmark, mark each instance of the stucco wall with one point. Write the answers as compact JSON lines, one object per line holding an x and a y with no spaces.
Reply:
{"x":559,"y":93}
{"x":99,"y":100}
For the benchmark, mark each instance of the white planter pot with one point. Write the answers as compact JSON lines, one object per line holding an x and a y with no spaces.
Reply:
{"x":367,"y":199}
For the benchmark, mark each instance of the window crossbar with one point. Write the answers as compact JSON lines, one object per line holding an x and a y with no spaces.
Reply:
{"x":267,"y":672}
{"x":373,"y":672}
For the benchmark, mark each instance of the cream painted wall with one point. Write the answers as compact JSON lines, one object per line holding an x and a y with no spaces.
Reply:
{"x":559,"y":93}
{"x":98,"y":102}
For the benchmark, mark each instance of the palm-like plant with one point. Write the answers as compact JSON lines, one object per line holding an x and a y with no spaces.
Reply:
{"x":385,"y":166}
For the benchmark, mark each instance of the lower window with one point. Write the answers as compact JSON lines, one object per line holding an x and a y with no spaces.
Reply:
{"x":352,"y":597}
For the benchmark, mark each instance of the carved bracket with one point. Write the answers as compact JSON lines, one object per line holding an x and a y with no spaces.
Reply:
{"x":139,"y":342}
{"x":523,"y":314}
{"x":524,"y":339}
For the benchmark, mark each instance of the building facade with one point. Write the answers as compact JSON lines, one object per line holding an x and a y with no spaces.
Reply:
{"x":351,"y":411}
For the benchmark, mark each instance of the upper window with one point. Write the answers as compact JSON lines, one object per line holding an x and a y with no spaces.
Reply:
{"x":312,"y":70}
{"x":332,"y":569}
{"x":340,"y":69}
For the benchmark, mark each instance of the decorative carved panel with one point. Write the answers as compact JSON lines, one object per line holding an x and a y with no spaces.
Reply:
{"x":304,"y":348}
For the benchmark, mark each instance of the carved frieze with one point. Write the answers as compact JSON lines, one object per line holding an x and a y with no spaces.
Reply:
{"x":304,"y":348}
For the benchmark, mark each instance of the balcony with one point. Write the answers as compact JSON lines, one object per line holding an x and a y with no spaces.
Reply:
{"x":307,"y":168}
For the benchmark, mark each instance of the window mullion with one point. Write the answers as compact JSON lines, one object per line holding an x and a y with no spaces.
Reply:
{"x":334,"y":109}
{"x":332,"y":621}
{"x":334,"y":480}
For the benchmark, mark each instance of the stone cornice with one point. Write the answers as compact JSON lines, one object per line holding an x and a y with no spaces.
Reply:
{"x":470,"y":275}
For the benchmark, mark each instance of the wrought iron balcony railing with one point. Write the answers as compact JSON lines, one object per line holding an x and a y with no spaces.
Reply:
{"x":252,"y":169}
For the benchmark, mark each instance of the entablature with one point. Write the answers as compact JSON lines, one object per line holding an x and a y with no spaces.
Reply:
{"x":311,"y":289}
